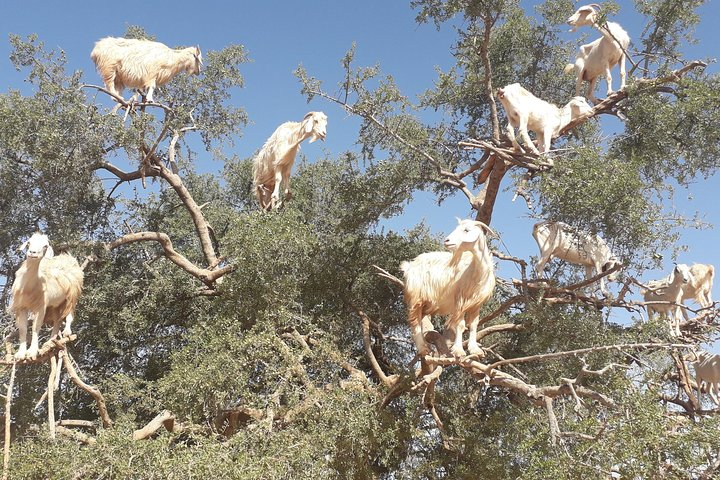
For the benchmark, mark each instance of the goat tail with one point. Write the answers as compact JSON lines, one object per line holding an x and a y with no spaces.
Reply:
{"x":569,"y":68}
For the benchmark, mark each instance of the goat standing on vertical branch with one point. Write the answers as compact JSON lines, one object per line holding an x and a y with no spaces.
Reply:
{"x":142,"y":64}
{"x":46,"y":286}
{"x":599,"y":57}
{"x":272,"y":166}
{"x":455,"y":283}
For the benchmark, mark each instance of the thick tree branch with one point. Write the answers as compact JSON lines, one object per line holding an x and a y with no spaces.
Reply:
{"x":208,"y":277}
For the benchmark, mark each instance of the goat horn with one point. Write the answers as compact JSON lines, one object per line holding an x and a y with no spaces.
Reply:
{"x":595,"y":6}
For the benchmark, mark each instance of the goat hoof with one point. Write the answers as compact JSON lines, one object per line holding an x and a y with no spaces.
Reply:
{"x":476,"y":351}
{"x":458,"y":352}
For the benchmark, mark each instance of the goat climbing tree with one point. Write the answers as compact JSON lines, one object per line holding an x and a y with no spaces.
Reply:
{"x":266,"y":345}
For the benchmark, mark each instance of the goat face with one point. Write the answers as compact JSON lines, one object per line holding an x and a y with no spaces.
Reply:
{"x":465,"y":235}
{"x":684,"y":272}
{"x":38,"y":246}
{"x":579,"y":106}
{"x":585,"y":15}
{"x":315,"y":125}
{"x":611,"y":264}
{"x":198,"y":60}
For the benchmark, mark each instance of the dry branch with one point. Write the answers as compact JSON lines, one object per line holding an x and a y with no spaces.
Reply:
{"x":93,"y":391}
{"x":51,"y":395}
{"x":49,"y":349}
{"x":580,"y":351}
{"x":388,"y":381}
{"x":75,"y":435}
{"x":208,"y":277}
{"x":163,"y":419}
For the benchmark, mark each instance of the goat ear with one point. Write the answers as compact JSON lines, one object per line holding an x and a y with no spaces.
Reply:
{"x":49,"y":253}
{"x":308,"y":124}
{"x":23,"y":247}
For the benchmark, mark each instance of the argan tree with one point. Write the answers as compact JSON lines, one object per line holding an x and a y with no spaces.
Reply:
{"x":237,"y":343}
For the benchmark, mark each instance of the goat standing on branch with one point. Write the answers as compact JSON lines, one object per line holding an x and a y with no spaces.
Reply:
{"x":525,"y":111}
{"x":700,"y":288}
{"x":599,"y":57}
{"x":557,"y":239}
{"x":707,"y":373}
{"x":272,"y":166}
{"x":141,"y":64}
{"x":46,"y":286}
{"x":669,"y":292}
{"x":455,"y":283}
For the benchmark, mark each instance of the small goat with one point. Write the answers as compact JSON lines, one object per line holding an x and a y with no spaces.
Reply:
{"x":700,"y":289}
{"x":525,"y":111}
{"x":46,"y":286}
{"x":707,"y":372}
{"x":599,"y":57}
{"x":142,"y":64}
{"x":272,"y":165}
{"x":669,"y":289}
{"x":455,"y":283}
{"x":557,"y":239}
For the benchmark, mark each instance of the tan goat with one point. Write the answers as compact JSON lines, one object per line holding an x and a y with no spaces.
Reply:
{"x":47,"y":287}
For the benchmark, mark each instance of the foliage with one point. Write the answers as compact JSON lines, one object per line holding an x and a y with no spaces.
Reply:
{"x":298,"y":329}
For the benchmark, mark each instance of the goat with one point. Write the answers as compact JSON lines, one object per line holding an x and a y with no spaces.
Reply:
{"x":559,"y":240}
{"x":272,"y":165}
{"x":525,"y":111}
{"x":600,"y":56}
{"x":142,"y":64}
{"x":455,"y":283}
{"x":700,"y":289}
{"x":46,"y":286}
{"x":669,"y":289}
{"x":707,"y":371}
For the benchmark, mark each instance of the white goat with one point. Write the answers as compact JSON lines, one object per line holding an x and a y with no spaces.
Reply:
{"x":142,"y":64}
{"x":455,"y":283}
{"x":707,"y":372}
{"x":560,"y":240}
{"x":700,"y":289}
{"x":669,"y":289}
{"x":46,"y":286}
{"x":272,"y":165}
{"x":525,"y":111}
{"x":599,"y":57}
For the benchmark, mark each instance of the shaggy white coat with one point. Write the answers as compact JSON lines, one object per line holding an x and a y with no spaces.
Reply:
{"x":599,"y":57}
{"x":527,"y":112}
{"x":141,"y":64}
{"x":454,"y":283}
{"x":48,"y":288}
{"x":559,"y":240}
{"x":272,"y":165}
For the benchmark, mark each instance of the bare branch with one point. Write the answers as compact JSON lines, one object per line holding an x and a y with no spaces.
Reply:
{"x":572,"y":353}
{"x":206,"y":276}
{"x":163,"y":419}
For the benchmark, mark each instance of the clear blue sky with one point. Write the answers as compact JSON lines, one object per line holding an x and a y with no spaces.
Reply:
{"x":279,"y":35}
